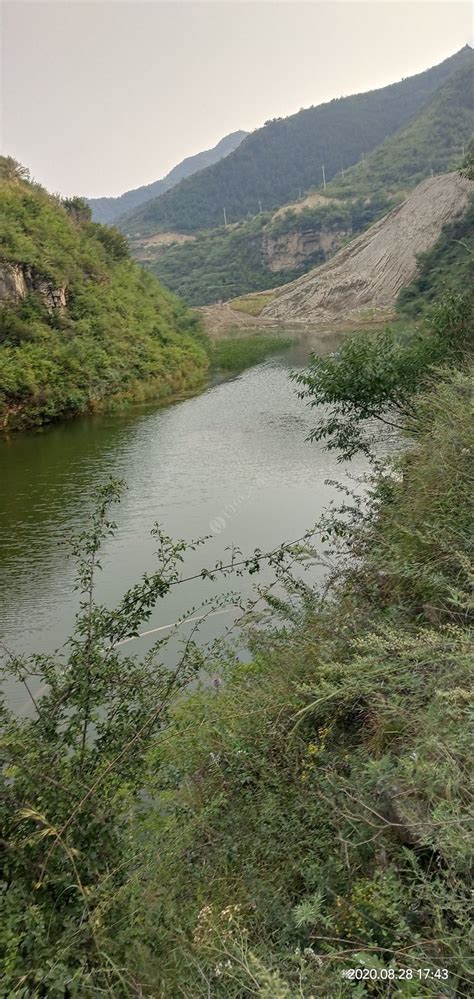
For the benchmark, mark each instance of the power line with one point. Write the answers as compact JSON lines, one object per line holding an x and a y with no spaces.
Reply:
{"x":166,"y":627}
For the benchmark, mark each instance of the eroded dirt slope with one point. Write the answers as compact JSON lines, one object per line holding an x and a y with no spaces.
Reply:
{"x":369,"y":272}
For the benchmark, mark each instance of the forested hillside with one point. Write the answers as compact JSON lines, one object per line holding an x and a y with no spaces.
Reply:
{"x":334,"y":134}
{"x":110,"y":209}
{"x":227,"y":262}
{"x":270,"y":250}
{"x":433,"y":140}
{"x":80,"y":322}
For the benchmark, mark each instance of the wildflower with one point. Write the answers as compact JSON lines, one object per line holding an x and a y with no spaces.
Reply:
{"x":309,"y":953}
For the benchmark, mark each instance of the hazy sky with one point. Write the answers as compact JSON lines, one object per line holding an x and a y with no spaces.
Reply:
{"x":101,"y":97}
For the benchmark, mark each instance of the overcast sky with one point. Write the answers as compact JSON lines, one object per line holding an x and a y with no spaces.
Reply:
{"x":101,"y":97}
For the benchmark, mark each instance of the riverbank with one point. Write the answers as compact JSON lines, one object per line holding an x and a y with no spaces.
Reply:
{"x":225,"y":357}
{"x":230,"y":461}
{"x":313,"y":812}
{"x":304,"y":815}
{"x":233,"y":319}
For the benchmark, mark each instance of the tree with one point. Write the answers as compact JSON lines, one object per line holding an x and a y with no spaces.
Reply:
{"x":115,"y":242}
{"x":376,"y":375}
{"x":467,"y":166}
{"x":78,"y":209}
{"x":13,"y":171}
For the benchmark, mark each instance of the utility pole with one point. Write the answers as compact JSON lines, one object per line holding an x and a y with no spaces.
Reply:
{"x":299,"y":194}
{"x":431,"y":171}
{"x":342,"y":171}
{"x":324,"y":177}
{"x":260,"y":206}
{"x":225,"y":217}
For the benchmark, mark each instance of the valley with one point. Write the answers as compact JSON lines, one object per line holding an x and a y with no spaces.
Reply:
{"x":236,"y":470}
{"x":273,"y":248}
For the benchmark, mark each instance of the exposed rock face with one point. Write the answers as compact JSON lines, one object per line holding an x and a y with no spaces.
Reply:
{"x":19,"y":280}
{"x":370,"y":271}
{"x":53,"y":298}
{"x":12,"y":283}
{"x":148,"y":249}
{"x":290,"y":250}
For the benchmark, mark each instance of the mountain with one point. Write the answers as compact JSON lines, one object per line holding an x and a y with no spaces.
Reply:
{"x":274,"y":164}
{"x":272,"y":249}
{"x":432,"y":140}
{"x":109,"y":209}
{"x":80,"y":322}
{"x":368,"y":274}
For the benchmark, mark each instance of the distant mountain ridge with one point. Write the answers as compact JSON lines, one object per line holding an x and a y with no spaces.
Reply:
{"x":272,"y":249}
{"x":285,"y":157}
{"x":107,"y":210}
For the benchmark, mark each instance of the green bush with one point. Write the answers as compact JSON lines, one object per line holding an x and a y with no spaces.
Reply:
{"x":376,"y":375}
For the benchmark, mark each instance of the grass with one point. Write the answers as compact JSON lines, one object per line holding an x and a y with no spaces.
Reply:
{"x":237,"y":353}
{"x":252,"y":305}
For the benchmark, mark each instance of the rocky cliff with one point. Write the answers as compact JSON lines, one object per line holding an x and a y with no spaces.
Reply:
{"x":292,"y":250}
{"x":19,"y":280}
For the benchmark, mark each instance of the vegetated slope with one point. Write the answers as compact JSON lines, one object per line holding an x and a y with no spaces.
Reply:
{"x":317,"y":807}
{"x":277,"y":161}
{"x":369,"y":273}
{"x":270,"y":250}
{"x":110,"y":209}
{"x":433,"y":140}
{"x":80,"y":322}
{"x":447,"y":268}
{"x":260,"y":253}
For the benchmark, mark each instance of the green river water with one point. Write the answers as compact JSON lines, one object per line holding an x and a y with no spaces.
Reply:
{"x":232,"y":463}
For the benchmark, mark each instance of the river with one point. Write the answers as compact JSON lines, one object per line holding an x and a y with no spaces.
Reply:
{"x":231,"y":462}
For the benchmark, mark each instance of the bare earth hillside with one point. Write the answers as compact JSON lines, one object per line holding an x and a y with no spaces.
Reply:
{"x":369,"y":272}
